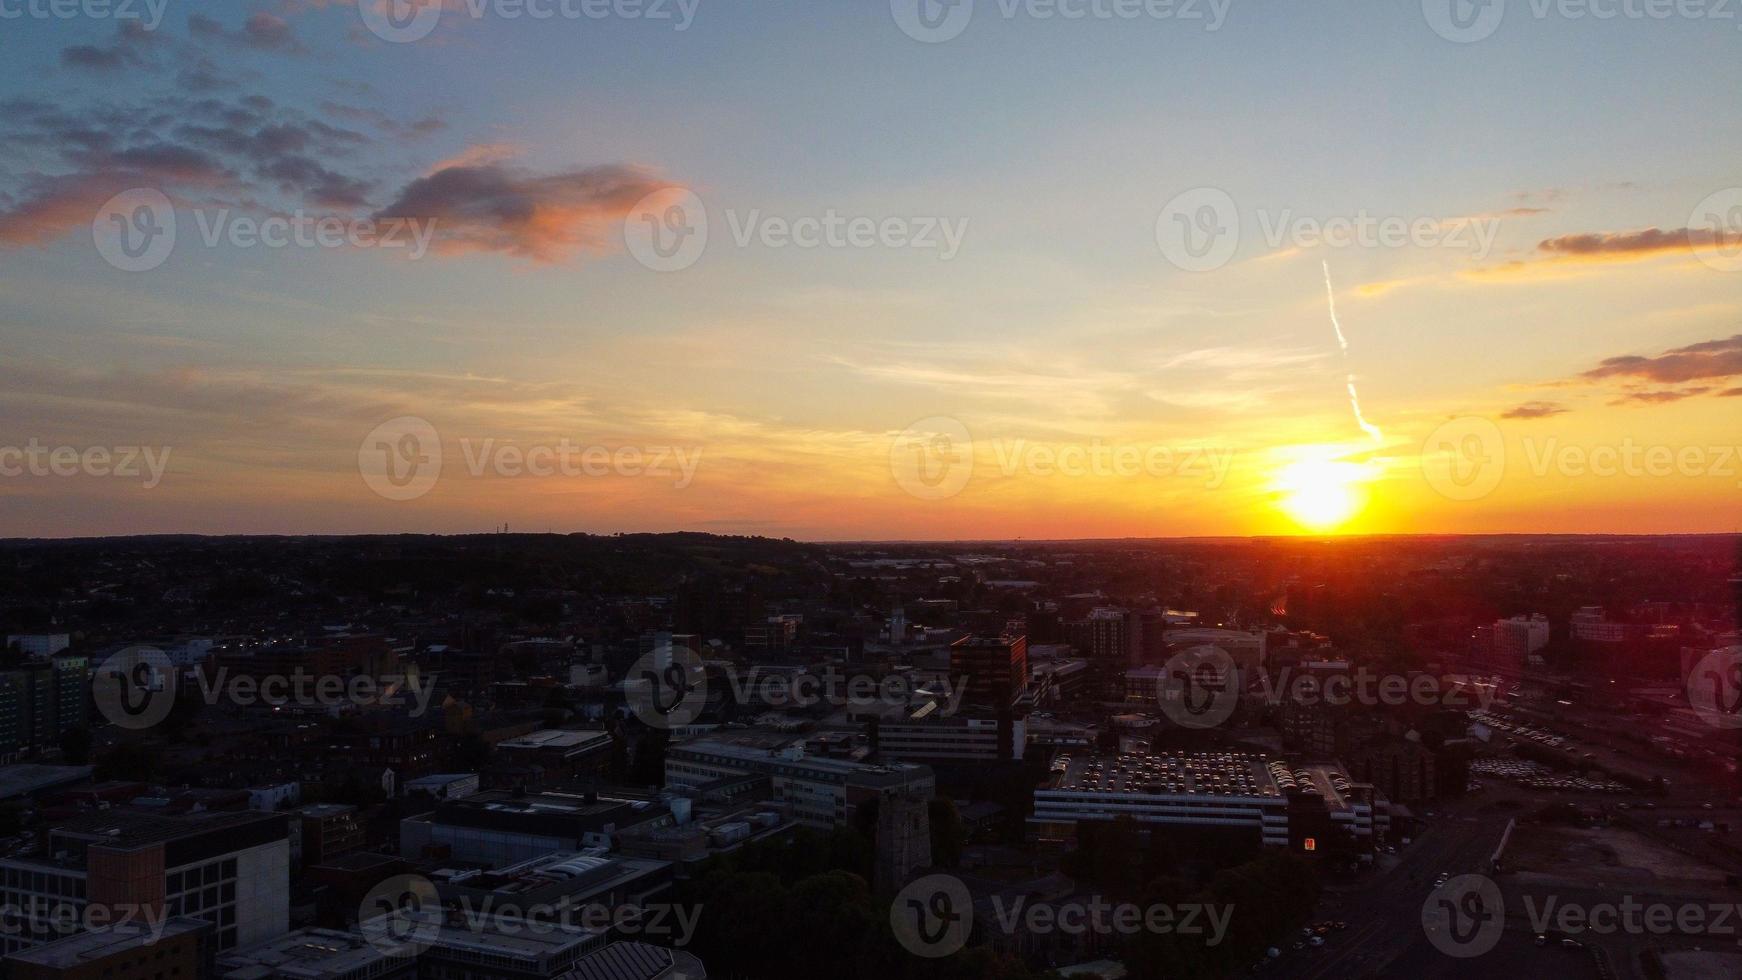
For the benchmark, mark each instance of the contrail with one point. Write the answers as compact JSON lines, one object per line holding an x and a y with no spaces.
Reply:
{"x":1354,"y":397}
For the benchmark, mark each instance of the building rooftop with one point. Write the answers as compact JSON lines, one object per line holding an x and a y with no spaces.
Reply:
{"x":83,"y":947}
{"x":307,"y":954}
{"x":636,"y":961}
{"x":790,"y":752}
{"x":553,"y":738}
{"x":1225,"y":774}
{"x":544,"y":880}
{"x":24,"y":779}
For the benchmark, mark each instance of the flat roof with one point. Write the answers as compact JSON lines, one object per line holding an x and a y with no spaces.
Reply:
{"x":304,"y":953}
{"x":85,"y":946}
{"x":1225,"y":774}
{"x":553,"y":738}
{"x":26,"y":778}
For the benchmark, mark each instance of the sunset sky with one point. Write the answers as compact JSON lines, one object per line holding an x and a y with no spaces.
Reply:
{"x":1605,"y":316}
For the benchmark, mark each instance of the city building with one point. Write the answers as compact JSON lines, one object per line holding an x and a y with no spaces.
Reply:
{"x":39,"y":646}
{"x":563,"y":886}
{"x":822,"y":792}
{"x":1514,"y":640}
{"x":39,"y":701}
{"x":1246,"y":648}
{"x":230,"y":869}
{"x":445,"y":786}
{"x":637,"y":961}
{"x":182,"y":950}
{"x":994,"y":668}
{"x":496,"y":829}
{"x":561,"y":753}
{"x":316,"y":954}
{"x":952,"y":739}
{"x":1109,"y":637}
{"x":1306,"y":808}
{"x":329,"y":830}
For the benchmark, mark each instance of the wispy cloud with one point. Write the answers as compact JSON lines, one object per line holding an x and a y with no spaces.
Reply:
{"x":1535,"y":410}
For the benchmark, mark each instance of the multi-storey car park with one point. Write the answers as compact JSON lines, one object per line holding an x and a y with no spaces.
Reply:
{"x":1306,"y":807}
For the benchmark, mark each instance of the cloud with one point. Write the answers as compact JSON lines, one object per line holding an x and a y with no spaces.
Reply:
{"x":260,"y":32}
{"x":1731,"y":393}
{"x":414,"y":130}
{"x":1644,"y":243}
{"x":253,"y":153}
{"x":1535,"y":410}
{"x":481,"y":154}
{"x":128,"y":51}
{"x":1662,"y":397}
{"x":1710,"y":359}
{"x":186,"y":147}
{"x":53,"y":206}
{"x":495,"y":208}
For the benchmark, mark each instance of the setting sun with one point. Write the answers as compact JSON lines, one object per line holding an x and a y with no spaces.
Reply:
{"x":1322,"y":494}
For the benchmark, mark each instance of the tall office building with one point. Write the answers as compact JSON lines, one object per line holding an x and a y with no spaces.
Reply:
{"x":1111,"y":637}
{"x":39,"y":701}
{"x":994,"y":668}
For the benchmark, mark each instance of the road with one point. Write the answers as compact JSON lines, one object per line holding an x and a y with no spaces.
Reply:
{"x":1385,"y":936}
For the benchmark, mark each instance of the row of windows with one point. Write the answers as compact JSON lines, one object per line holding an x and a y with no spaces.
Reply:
{"x":42,"y":883}
{"x":210,"y":874}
